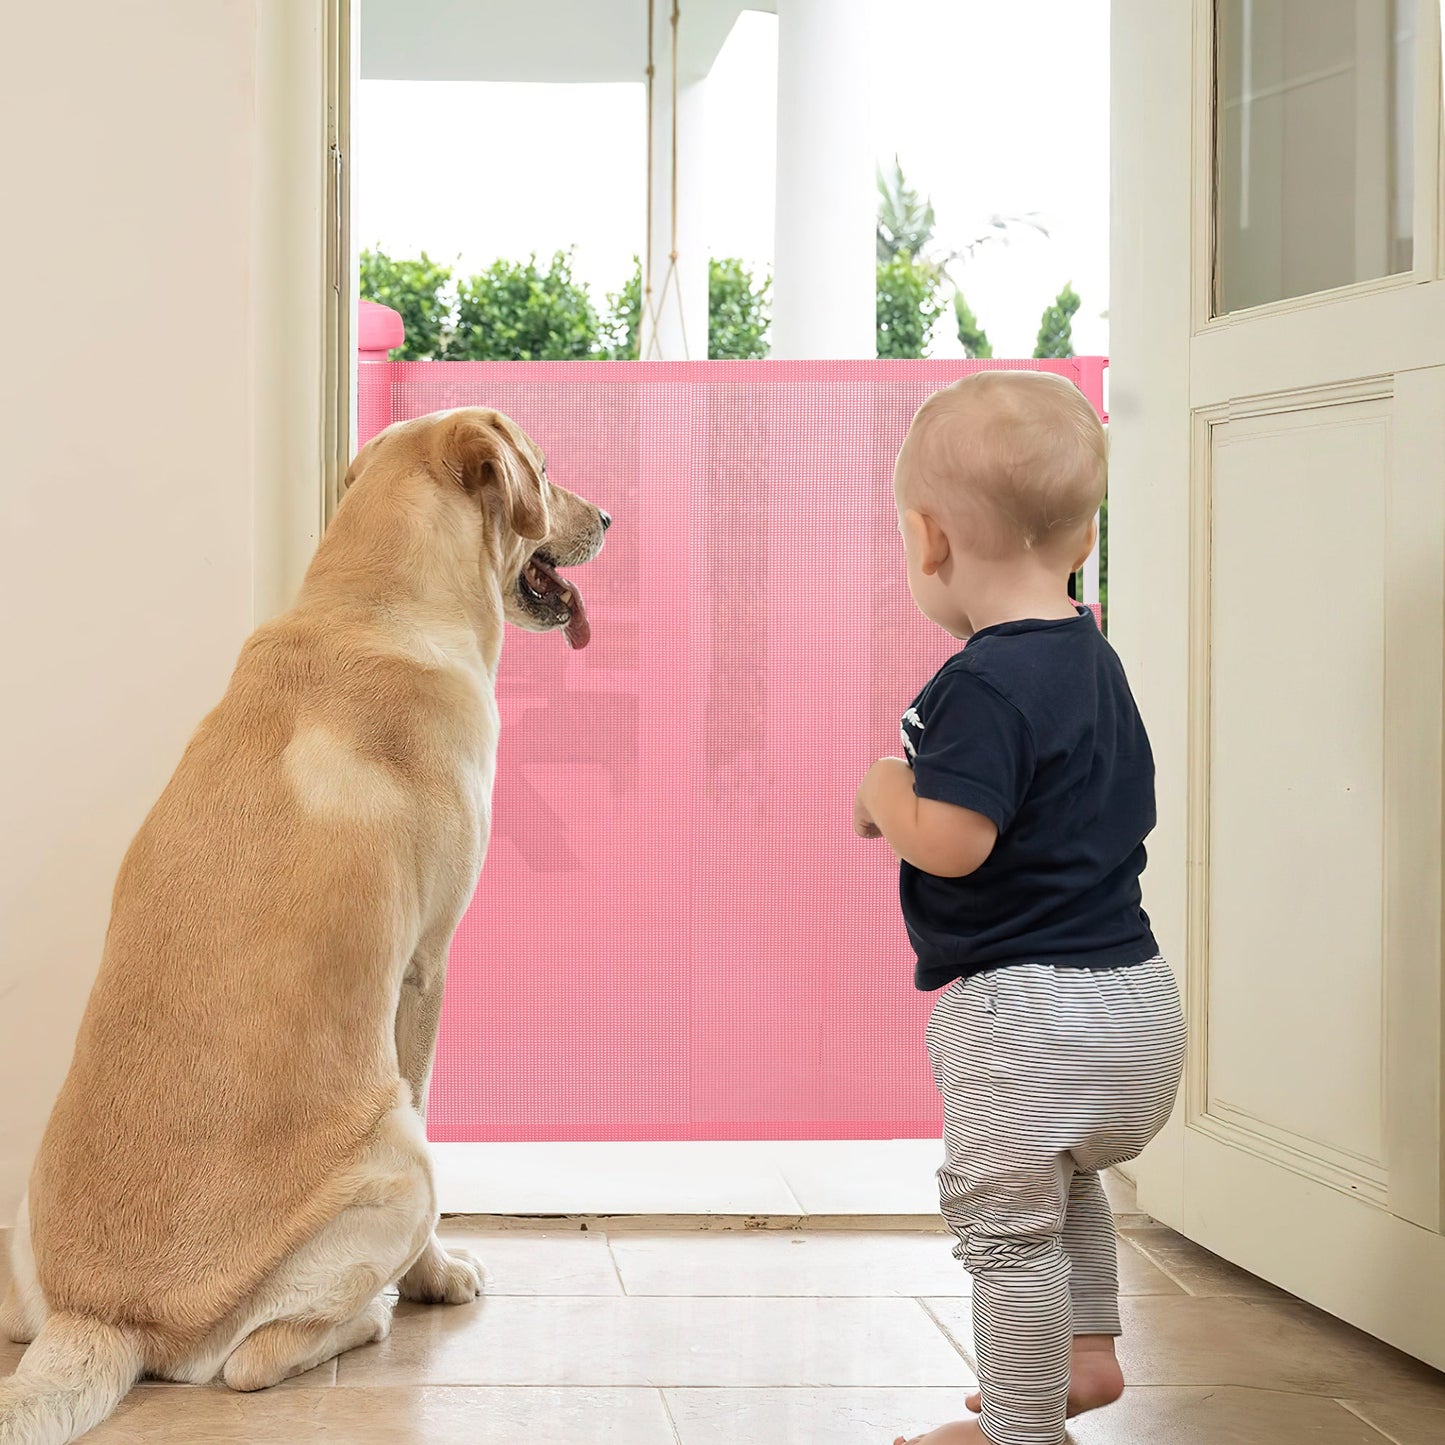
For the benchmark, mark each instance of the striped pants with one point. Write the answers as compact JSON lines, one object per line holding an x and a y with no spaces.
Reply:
{"x":1048,"y":1075}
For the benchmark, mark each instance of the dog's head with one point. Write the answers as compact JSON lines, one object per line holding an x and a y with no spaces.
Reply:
{"x":534,"y":527}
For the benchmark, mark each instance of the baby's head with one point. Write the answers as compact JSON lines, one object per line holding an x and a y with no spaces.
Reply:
{"x":1000,"y":475}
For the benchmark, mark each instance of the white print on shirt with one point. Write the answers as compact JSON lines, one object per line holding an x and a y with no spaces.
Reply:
{"x":913,"y":721}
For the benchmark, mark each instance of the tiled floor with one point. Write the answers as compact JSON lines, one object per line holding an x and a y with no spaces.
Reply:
{"x":639,"y":1336}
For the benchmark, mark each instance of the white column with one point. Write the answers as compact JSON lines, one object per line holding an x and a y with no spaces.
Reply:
{"x":824,"y":267}
{"x":678,"y":329}
{"x":1091,"y":571}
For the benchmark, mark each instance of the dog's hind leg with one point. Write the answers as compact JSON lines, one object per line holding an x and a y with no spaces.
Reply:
{"x":23,"y":1310}
{"x":323,"y":1300}
{"x":284,"y":1348}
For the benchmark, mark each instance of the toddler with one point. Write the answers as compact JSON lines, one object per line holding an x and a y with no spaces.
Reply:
{"x":1019,"y":814}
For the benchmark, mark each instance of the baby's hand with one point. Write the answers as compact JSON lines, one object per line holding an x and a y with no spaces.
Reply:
{"x":863,"y":824}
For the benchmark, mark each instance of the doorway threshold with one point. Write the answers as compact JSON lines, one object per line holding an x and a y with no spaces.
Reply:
{"x":794,"y":1180}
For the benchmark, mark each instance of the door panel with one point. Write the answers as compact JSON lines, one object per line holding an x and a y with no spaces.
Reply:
{"x":1295,"y":880}
{"x":1278,"y":595}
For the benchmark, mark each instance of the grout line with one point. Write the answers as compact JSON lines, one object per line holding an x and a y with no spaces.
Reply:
{"x":947,"y":1334}
{"x":667,"y":1414}
{"x":1369,"y":1424}
{"x":1277,"y":1388}
{"x":812,"y":1294}
{"x":781,"y":1174}
{"x":665,"y":1390}
{"x":616,"y":1268}
{"x":1163,"y":1269}
{"x":793,"y":1195}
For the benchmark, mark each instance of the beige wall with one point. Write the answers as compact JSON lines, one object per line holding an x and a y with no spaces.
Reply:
{"x":160,"y":183}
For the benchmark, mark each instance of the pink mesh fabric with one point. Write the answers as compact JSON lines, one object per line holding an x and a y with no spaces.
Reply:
{"x":676,"y":934}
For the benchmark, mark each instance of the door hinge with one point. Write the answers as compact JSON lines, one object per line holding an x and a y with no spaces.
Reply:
{"x":338,"y":229}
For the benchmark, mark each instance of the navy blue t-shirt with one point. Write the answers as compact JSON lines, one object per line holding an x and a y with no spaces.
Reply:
{"x":1033,"y":725}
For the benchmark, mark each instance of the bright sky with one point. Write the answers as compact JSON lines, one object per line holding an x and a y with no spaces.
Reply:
{"x":991,"y":108}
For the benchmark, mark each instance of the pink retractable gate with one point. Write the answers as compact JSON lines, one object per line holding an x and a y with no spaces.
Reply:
{"x":676,"y":934}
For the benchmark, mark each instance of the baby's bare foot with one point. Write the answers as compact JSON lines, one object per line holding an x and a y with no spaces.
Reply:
{"x":1095,"y":1378}
{"x":961,"y":1432}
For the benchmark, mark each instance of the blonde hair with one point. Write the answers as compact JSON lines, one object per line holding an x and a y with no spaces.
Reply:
{"x":1018,"y":457}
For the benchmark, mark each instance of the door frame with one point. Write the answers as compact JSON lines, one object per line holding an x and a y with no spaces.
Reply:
{"x":304,"y":279}
{"x":342,"y":64}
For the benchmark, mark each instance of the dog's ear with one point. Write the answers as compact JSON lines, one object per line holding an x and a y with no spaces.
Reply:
{"x":483,"y":456}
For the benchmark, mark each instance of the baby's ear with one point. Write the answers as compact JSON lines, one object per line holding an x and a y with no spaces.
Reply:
{"x":930,"y":542}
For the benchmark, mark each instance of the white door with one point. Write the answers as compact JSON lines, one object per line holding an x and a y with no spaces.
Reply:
{"x":1277,"y":592}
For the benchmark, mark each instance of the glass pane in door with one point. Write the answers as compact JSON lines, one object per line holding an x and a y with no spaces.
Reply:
{"x":1313,"y":146}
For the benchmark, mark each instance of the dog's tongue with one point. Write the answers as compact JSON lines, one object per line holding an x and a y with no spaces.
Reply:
{"x":578,"y":631}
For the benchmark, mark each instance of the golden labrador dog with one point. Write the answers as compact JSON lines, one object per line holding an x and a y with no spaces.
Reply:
{"x":236,"y":1166}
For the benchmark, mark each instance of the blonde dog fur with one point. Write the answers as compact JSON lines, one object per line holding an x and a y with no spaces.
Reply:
{"x":236,"y":1166}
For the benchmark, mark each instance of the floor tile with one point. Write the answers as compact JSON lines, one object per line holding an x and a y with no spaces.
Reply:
{"x":1267,"y":1344}
{"x":776,"y":1262}
{"x":809,"y":1417}
{"x":1139,"y":1275}
{"x":1212,"y":1416}
{"x":540,"y":1262}
{"x":655,"y":1341}
{"x":1251,"y":1344}
{"x":538,"y":1179}
{"x":390,"y":1417}
{"x":1197,"y":1270}
{"x":1403,"y":1424}
{"x":868,"y":1176}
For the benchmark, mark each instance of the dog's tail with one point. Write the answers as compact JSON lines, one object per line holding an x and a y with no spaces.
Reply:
{"x":74,"y":1375}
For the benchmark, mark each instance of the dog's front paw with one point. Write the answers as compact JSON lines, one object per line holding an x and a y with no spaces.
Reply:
{"x":442,"y":1276}
{"x":376,"y":1321}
